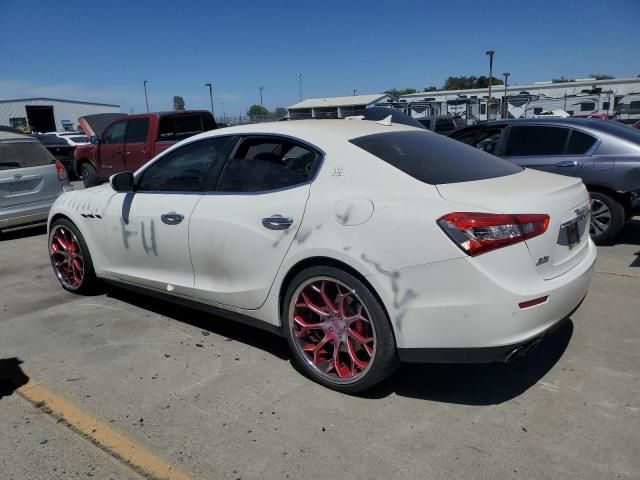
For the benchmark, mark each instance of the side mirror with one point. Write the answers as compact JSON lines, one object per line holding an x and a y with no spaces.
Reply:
{"x":122,"y":182}
{"x":94,"y":139}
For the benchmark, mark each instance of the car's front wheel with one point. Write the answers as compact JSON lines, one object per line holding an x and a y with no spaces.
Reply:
{"x":607,"y":218}
{"x":70,"y":258}
{"x":338,"y":331}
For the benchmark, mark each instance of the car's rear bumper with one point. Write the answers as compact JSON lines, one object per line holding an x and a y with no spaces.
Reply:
{"x":453,"y":311}
{"x":27,"y":213}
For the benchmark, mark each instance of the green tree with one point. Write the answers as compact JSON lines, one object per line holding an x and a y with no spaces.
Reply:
{"x":466,"y":83}
{"x":430,"y":89}
{"x":599,"y":76}
{"x":178,"y":103}
{"x":281,"y":111}
{"x":257,"y":111}
{"x":394,"y":92}
{"x":562,"y":80}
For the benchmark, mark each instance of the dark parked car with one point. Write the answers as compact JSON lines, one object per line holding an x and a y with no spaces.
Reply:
{"x":444,"y":124}
{"x":606,"y":155}
{"x":59,"y":148}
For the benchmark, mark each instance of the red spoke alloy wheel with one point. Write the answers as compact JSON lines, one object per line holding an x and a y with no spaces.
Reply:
{"x":332,"y":329}
{"x":66,"y":257}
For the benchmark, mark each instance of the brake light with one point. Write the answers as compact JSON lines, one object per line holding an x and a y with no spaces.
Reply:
{"x":62,"y":172}
{"x":478,"y":233}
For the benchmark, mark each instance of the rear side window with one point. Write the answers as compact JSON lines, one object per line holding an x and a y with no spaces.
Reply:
{"x":24,"y":154}
{"x":485,"y":139}
{"x":264,"y":164}
{"x":137,"y":130}
{"x":580,"y":143}
{"x":532,"y":140}
{"x":434,"y":159}
{"x":180,"y":126}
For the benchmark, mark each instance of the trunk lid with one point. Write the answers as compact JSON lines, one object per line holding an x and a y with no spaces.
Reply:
{"x":564,"y":199}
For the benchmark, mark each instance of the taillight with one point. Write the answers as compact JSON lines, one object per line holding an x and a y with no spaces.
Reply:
{"x":477,"y":233}
{"x":62,"y":172}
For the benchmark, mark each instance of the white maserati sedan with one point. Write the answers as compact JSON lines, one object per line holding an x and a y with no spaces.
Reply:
{"x":363,"y":243}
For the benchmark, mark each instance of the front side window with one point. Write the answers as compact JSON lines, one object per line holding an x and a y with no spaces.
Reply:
{"x":263,"y":164}
{"x":187,"y":169}
{"x":115,"y":133}
{"x":137,"y":130}
{"x":587,"y":106}
{"x":532,"y":140}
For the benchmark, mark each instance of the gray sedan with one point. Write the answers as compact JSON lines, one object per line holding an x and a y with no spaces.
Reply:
{"x":30,"y":180}
{"x":604,"y":153}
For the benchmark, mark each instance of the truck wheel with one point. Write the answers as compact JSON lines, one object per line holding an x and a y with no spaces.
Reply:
{"x":88,"y":175}
{"x":607,"y":218}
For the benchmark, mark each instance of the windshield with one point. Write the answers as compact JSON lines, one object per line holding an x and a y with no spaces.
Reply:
{"x":24,"y":154}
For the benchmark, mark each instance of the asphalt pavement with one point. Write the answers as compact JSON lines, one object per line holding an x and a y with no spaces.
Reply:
{"x":220,"y":400}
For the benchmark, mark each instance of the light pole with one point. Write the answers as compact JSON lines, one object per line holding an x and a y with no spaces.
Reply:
{"x":210,"y":95}
{"x":300,"y":84}
{"x":355,"y":92}
{"x":490,"y":53}
{"x":145,"y":94}
{"x":261,"y":88}
{"x":506,"y":103}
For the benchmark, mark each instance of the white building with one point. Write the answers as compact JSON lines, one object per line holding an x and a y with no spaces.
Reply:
{"x":48,"y":114}
{"x":337,"y":107}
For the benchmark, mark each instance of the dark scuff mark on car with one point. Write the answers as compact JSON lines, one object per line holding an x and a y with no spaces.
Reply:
{"x":125,"y":233}
{"x":126,"y":206}
{"x":399,"y":301}
{"x":152,"y":229}
{"x":344,"y":218}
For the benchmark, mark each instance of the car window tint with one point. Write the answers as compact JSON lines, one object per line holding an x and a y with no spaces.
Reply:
{"x":536,"y":140}
{"x":434,"y":159}
{"x":426,"y":123}
{"x":184,"y":125}
{"x":137,"y":130}
{"x":483,"y":139}
{"x":265,"y":164}
{"x":444,"y":125}
{"x":24,"y":154}
{"x":186,"y":169}
{"x":579,"y":143}
{"x":115,"y":133}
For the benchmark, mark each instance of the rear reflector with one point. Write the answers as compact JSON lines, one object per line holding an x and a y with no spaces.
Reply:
{"x":477,"y":233}
{"x":534,"y":302}
{"x":62,"y":172}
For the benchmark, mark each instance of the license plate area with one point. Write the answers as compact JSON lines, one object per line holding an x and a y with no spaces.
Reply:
{"x":573,"y":234}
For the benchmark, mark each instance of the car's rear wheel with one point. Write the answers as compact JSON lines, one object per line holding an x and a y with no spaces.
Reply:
{"x":338,"y":331}
{"x":70,"y":258}
{"x":607,"y":218}
{"x":88,"y":175}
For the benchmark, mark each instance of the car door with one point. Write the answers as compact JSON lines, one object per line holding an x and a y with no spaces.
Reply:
{"x":136,"y":152}
{"x":240,"y":234}
{"x":112,"y":149}
{"x":148,"y":229}
{"x":551,"y":148}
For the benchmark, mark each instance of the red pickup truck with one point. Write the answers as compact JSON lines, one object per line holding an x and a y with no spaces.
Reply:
{"x":126,"y":142}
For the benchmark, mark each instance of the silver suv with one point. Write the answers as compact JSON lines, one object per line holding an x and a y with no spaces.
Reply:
{"x":30,"y":180}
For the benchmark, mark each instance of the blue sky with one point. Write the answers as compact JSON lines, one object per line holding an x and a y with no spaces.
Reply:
{"x":102,"y":51}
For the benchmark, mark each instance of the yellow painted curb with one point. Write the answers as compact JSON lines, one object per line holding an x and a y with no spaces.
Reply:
{"x":105,"y":437}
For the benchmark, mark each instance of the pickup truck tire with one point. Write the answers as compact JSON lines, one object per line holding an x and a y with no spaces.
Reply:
{"x":607,"y":218}
{"x":88,"y":175}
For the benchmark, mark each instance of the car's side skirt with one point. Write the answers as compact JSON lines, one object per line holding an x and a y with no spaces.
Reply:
{"x":192,"y":303}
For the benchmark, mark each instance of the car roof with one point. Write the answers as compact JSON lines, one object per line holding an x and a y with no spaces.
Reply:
{"x":7,"y":137}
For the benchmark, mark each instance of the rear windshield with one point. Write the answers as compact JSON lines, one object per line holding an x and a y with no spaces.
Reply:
{"x":180,"y":126}
{"x":434,"y":159}
{"x":24,"y":154}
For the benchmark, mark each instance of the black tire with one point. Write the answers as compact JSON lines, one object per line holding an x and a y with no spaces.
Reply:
{"x":607,"y":218}
{"x":89,"y":282}
{"x":88,"y":175}
{"x":383,"y":359}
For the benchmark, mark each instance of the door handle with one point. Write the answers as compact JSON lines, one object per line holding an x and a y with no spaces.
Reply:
{"x":567,"y":163}
{"x":171,"y":218}
{"x":277,"y":222}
